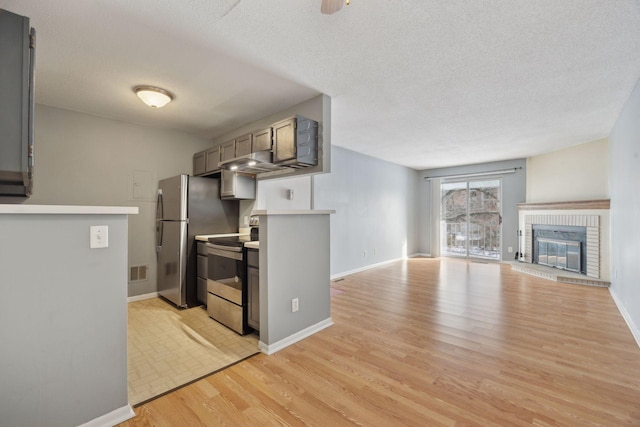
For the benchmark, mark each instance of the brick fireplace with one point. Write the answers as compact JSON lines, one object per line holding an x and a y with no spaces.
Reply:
{"x":566,"y":220}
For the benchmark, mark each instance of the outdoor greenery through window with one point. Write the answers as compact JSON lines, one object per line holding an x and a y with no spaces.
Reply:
{"x":470,"y":219}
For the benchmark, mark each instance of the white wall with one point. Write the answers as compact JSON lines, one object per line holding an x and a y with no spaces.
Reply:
{"x":576,"y":173}
{"x":86,"y":160}
{"x":625,"y":212}
{"x":274,"y":193}
{"x":376,"y":210}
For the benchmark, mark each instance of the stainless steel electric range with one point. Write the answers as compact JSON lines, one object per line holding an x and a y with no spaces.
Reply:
{"x":226,"y":281}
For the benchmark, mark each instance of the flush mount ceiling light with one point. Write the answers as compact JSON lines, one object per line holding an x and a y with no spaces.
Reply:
{"x":331,"y":6}
{"x":154,"y":97}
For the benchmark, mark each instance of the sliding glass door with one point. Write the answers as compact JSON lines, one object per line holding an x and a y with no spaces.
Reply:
{"x":470,"y":218}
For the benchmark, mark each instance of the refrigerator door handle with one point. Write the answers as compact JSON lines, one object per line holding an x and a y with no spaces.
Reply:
{"x":159,"y":206}
{"x":159,"y":217}
{"x":159,"y":233}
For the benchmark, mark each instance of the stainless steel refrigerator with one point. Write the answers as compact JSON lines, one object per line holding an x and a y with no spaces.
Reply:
{"x":187,"y":206}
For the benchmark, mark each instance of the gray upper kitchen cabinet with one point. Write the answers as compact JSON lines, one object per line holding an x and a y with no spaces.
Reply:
{"x":237,"y":186}
{"x":243,"y":145}
{"x":228,"y":150}
{"x":199,"y":163}
{"x":206,"y":162}
{"x":261,"y":140}
{"x":283,"y":136}
{"x":295,"y":142}
{"x":212,"y":159}
{"x":17,"y":61}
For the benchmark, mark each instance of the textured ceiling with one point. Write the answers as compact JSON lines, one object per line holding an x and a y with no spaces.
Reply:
{"x":422,"y":83}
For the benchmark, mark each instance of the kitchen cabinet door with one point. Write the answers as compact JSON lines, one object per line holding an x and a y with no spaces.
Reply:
{"x":228,"y":150}
{"x":243,"y":145}
{"x":199,"y":163}
{"x":253,"y":298}
{"x":284,"y":141}
{"x":213,"y":158}
{"x":261,"y":140}
{"x":228,"y":184}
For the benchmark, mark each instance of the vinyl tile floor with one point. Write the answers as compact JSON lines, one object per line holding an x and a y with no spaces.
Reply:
{"x":170,"y":347}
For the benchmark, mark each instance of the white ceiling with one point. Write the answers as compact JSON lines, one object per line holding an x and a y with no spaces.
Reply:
{"x":422,"y":83}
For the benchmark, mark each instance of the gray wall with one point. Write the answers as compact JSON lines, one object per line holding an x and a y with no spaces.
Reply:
{"x":294,"y":263}
{"x":63,"y":321}
{"x":376,"y":210}
{"x":513,"y":192}
{"x":625,"y":211}
{"x":87,"y":160}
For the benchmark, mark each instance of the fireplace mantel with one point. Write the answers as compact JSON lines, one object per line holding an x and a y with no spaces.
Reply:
{"x":577,"y":205}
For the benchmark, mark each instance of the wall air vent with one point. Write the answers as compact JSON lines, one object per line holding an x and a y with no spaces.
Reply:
{"x":138,"y":273}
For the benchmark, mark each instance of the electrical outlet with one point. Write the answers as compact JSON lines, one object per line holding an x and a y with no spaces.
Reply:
{"x":510,"y":249}
{"x":99,"y":236}
{"x":364,"y":254}
{"x":294,"y":305}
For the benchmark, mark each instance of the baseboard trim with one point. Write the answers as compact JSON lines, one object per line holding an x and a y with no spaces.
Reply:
{"x":113,"y":418}
{"x":292,"y":339}
{"x":143,"y":297}
{"x":626,"y":316}
{"x":379,"y":264}
{"x":365,"y":268}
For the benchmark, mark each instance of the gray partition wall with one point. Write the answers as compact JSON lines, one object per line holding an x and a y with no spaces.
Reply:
{"x":63,"y":320}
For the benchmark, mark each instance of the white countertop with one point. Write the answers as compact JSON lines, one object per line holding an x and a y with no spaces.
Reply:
{"x":252,"y":245}
{"x":70,"y":210}
{"x":293,"y":212}
{"x":205,"y":237}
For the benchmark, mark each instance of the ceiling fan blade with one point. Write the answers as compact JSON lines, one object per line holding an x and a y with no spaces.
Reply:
{"x":331,"y":6}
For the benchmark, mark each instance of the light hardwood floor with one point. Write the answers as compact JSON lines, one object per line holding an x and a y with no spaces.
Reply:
{"x":434,"y":342}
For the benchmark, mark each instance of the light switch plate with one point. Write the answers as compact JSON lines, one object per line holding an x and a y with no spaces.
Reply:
{"x":99,"y":236}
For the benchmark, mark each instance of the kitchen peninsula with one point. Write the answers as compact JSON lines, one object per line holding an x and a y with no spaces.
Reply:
{"x":63,"y":322}
{"x":294,"y":265}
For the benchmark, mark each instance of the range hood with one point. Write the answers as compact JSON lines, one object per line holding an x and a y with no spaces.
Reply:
{"x":258,"y":162}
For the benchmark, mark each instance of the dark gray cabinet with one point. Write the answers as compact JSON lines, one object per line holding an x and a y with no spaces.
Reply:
{"x":199,"y":163}
{"x":17,"y":59}
{"x":237,"y":185}
{"x":261,"y":140}
{"x":228,"y":151}
{"x":284,"y":147}
{"x":206,"y":162}
{"x":212,"y":159}
{"x":243,"y":145}
{"x":295,"y":142}
{"x":202,"y":270}
{"x":253,"y":289}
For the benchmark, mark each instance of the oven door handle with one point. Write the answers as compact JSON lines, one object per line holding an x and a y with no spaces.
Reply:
{"x":224,"y":253}
{"x":224,"y":248}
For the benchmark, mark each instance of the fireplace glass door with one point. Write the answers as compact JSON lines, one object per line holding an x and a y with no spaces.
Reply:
{"x":470,"y":219}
